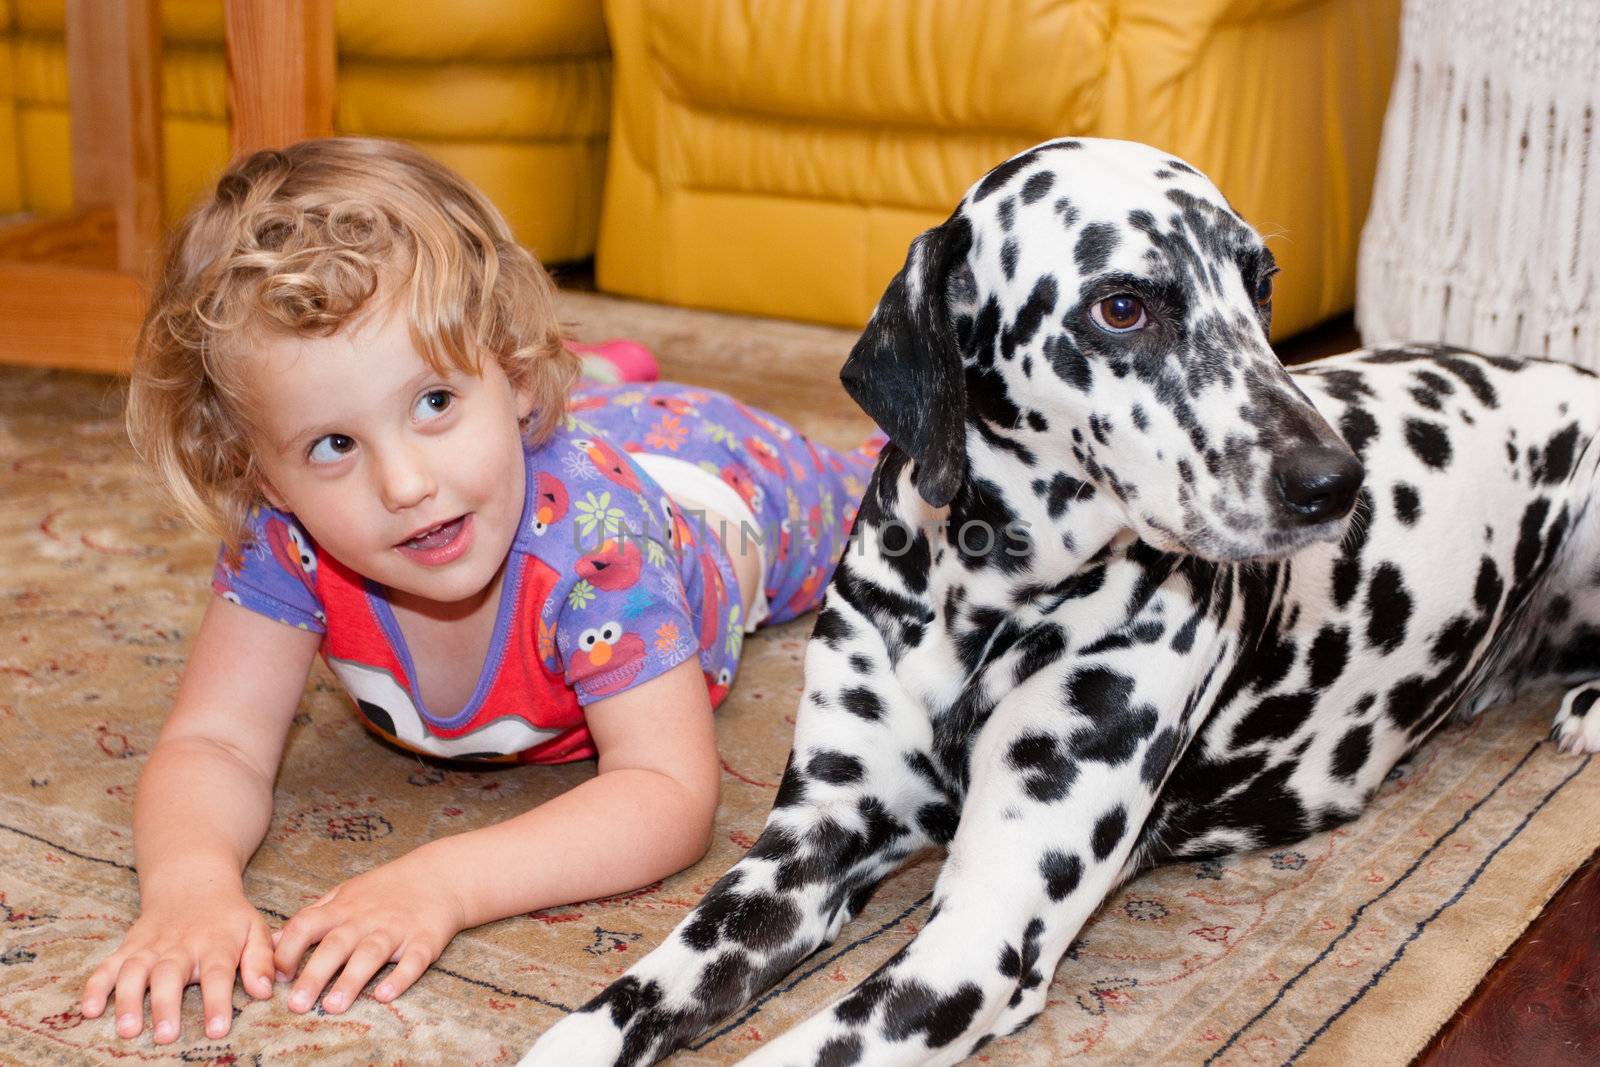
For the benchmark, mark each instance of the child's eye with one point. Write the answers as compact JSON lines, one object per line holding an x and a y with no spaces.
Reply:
{"x":330,"y":448}
{"x":433,"y":403}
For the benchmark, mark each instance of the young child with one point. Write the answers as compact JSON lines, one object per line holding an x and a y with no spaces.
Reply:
{"x":352,"y":376}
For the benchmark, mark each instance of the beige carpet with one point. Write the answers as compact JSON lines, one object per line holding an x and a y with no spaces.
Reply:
{"x":1351,"y":947}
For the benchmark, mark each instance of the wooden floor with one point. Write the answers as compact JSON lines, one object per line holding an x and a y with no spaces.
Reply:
{"x":1540,"y":1006}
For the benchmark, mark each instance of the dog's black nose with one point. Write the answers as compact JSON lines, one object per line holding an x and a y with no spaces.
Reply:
{"x":1318,"y":484}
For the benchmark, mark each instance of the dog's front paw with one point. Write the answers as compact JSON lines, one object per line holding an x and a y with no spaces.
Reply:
{"x":581,"y":1039}
{"x":1577,"y":726}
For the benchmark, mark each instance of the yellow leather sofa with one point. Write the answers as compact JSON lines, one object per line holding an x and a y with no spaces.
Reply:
{"x":516,"y":95}
{"x":777,"y":157}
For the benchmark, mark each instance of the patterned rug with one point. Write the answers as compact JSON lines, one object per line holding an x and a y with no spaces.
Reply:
{"x":1353,"y":946}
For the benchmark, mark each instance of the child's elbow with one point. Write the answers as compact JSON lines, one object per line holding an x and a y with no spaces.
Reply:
{"x":696,"y":815}
{"x":703,"y":817}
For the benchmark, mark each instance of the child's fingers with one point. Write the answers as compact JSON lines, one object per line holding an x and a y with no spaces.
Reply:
{"x":372,"y":953}
{"x":216,"y":994}
{"x":256,"y":965}
{"x":414,"y":959}
{"x":99,"y":986}
{"x":167,"y":979}
{"x":131,"y":981}
{"x":307,"y":927}
{"x":330,"y":954}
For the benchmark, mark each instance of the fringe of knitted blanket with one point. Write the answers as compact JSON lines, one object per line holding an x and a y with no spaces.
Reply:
{"x":1485,"y":222}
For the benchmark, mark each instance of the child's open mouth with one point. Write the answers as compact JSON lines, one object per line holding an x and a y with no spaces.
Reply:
{"x":441,"y":543}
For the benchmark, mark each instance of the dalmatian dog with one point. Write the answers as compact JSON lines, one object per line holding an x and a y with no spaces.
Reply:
{"x":1122,"y":590}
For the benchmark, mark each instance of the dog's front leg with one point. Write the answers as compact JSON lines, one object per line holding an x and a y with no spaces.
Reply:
{"x":1057,"y":797}
{"x":858,"y":796}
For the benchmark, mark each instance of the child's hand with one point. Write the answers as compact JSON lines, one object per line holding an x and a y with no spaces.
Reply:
{"x":204,"y":938}
{"x":402,"y":912}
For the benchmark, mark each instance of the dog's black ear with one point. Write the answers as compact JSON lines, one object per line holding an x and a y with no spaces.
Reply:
{"x":906,"y":371}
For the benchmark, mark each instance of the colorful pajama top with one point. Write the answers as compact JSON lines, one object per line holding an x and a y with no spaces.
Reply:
{"x":608,"y":585}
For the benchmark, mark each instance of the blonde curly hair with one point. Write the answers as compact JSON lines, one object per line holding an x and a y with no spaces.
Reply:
{"x":296,"y":242}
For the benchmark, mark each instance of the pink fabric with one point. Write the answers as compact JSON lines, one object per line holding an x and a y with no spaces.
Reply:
{"x":634,"y":362}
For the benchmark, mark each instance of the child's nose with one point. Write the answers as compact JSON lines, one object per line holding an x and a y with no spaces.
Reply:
{"x":404,"y":480}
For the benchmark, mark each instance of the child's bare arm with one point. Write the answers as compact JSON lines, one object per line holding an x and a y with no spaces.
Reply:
{"x":203,"y":805}
{"x":647,"y":814}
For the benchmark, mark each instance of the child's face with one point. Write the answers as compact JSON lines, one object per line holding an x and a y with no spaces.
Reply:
{"x":412,"y":479}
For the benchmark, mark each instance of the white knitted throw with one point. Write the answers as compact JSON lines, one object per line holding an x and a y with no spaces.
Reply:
{"x":1485,"y":222}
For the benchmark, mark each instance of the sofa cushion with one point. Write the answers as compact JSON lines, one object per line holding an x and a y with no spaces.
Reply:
{"x":778,"y":158}
{"x":383,"y":29}
{"x":470,"y":29}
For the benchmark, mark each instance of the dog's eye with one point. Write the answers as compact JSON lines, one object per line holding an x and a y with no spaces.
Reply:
{"x":1118,"y":314}
{"x":1264,"y":291}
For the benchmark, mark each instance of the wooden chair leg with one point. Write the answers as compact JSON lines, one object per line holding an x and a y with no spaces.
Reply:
{"x":70,"y":292}
{"x":69,"y":286}
{"x":280,"y":71}
{"x":114,"y":85}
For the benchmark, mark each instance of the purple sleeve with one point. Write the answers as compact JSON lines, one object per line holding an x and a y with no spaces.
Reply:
{"x":277,"y":576}
{"x":621,"y":614}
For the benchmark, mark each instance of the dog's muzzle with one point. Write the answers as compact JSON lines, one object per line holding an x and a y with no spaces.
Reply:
{"x":1317,"y":484}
